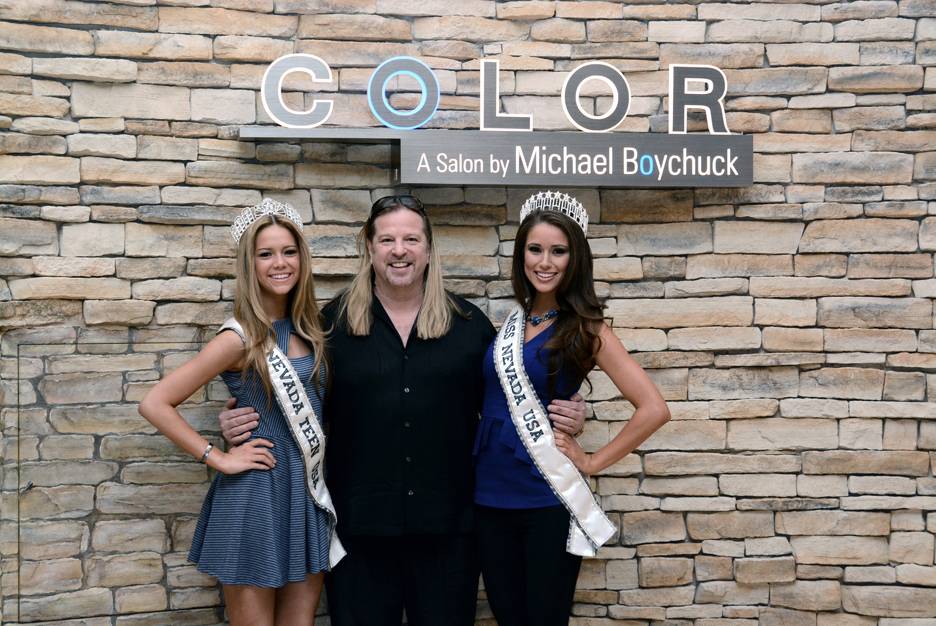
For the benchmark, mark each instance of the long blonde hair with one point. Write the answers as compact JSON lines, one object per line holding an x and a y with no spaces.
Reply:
{"x":303,"y":308}
{"x":435,"y":313}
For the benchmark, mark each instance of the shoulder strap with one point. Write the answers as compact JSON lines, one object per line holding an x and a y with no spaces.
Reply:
{"x":233,"y":324}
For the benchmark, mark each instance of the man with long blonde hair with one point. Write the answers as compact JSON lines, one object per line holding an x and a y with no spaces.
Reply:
{"x":402,"y":410}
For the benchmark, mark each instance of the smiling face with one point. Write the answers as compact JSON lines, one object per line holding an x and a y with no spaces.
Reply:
{"x":276,"y":261}
{"x":399,"y":251}
{"x":546,"y":258}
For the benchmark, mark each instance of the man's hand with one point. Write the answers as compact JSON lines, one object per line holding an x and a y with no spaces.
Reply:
{"x":567,"y":416}
{"x":237,"y":423}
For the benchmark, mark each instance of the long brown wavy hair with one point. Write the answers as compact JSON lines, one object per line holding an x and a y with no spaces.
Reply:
{"x":435,"y":315}
{"x":575,"y":342}
{"x":303,"y":309}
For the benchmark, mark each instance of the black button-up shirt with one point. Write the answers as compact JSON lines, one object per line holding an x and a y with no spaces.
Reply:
{"x":401,"y":424}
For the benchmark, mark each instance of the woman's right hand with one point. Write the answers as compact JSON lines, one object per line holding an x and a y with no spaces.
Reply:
{"x":251,"y":455}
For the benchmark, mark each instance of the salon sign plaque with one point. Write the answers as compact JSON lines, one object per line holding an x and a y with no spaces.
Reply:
{"x":505,"y":150}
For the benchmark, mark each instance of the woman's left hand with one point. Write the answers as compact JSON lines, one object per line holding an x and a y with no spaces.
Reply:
{"x":571,"y":448}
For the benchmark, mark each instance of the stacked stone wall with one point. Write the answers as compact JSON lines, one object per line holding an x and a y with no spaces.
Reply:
{"x":790,"y":324}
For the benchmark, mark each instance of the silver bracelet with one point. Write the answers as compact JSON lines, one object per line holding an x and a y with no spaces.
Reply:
{"x":204,"y":456}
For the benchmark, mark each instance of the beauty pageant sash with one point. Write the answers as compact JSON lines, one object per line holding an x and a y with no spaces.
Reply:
{"x":306,"y":432}
{"x":589,"y":527}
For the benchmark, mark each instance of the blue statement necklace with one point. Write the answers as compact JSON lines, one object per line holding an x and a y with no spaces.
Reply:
{"x":536,"y":320}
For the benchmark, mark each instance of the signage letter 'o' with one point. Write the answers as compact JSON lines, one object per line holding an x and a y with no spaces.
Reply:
{"x":620,"y":97}
{"x":377,"y":93}
{"x":271,"y":91}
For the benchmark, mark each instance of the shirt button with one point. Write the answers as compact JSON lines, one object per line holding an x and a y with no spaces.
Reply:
{"x":410,"y":492}
{"x":406,"y":424}
{"x":405,"y":389}
{"x":406,"y":357}
{"x":409,"y":459}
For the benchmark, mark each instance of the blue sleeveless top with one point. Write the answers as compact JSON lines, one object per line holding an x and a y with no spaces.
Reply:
{"x":505,"y":475}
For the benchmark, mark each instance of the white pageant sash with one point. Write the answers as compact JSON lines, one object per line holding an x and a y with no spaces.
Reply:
{"x":306,"y":431}
{"x":589,"y":527}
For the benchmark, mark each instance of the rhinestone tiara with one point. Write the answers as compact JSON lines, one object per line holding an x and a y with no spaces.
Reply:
{"x":268,"y":207}
{"x":558,"y":202}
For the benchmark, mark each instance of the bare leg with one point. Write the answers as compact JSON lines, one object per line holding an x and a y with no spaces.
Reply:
{"x":296,"y":602}
{"x":248,"y":605}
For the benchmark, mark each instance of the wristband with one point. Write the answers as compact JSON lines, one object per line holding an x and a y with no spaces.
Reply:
{"x":204,"y":456}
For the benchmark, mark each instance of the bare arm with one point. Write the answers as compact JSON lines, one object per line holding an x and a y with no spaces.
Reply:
{"x":159,"y":408}
{"x":635,"y":386}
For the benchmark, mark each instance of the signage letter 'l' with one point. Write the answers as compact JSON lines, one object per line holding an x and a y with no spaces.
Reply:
{"x":709,"y":100}
{"x":491,"y":119}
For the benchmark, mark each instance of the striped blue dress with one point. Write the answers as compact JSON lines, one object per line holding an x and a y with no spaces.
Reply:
{"x":261,"y":527}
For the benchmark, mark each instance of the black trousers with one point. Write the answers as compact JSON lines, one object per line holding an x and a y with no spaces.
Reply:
{"x":529,"y":577}
{"x":433,"y":577}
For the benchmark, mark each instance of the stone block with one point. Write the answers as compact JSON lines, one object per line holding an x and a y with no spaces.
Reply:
{"x":224,"y":106}
{"x":640,"y":313}
{"x":102,"y":145}
{"x":727,"y":592}
{"x":673,"y":31}
{"x":665,"y":572}
{"x":771,"y":81}
{"x":119,"y":312}
{"x":730,"y":525}
{"x":872,"y":118}
{"x":51,"y":288}
{"x":92,"y":239}
{"x":905,"y":140}
{"x":140,"y":598}
{"x":646,"y":205}
{"x":758,"y":485}
{"x":714,"y":338}
{"x":853,"y":167}
{"x":765,"y":570}
{"x":861,"y":434}
{"x":792,"y":339}
{"x":866,"y":462}
{"x":29,"y":38}
{"x":617,"y":269}
{"x":186,"y":288}
{"x":49,"y":576}
{"x":875,"y":312}
{"x":876,"y":79}
{"x":163,"y":240}
{"x":102,"y":170}
{"x":839,"y":550}
{"x":890,"y":265}
{"x":95,"y":70}
{"x":651,"y":526}
{"x":669,"y":239}
{"x":41,"y":170}
{"x":166,"y":148}
{"x":687,"y":435}
{"x":134,"y":101}
{"x":783,"y":434}
{"x":807,"y":595}
{"x":889,"y":601}
{"x":152,"y":45}
{"x":718,"y":265}
{"x":912,"y":547}
{"x":219,"y":21}
{"x":813,"y":54}
{"x":27,"y":237}
{"x":770,"y":382}
{"x":843,"y":382}
{"x":782,"y":312}
{"x":704,"y":287}
{"x":882,"y":29}
{"x":63,"y":606}
{"x":232,"y":174}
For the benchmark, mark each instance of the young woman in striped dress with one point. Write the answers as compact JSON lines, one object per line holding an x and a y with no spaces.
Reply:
{"x":260,"y":532}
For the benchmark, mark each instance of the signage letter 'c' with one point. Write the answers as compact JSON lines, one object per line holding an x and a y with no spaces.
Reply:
{"x":491,"y":118}
{"x":620,"y":97}
{"x":377,"y":93}
{"x":271,"y":91}
{"x":709,"y":100}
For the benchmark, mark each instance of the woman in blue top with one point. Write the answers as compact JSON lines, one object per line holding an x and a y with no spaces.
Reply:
{"x":536,"y":516}
{"x":265,"y":530}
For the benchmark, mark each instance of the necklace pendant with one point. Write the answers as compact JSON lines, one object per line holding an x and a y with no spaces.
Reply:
{"x":536,"y":320}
